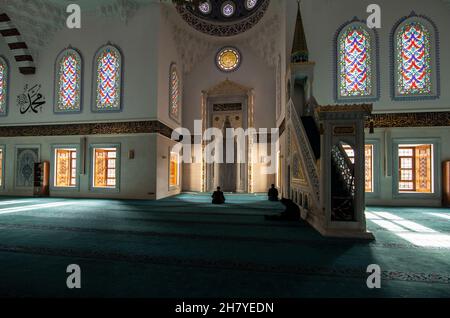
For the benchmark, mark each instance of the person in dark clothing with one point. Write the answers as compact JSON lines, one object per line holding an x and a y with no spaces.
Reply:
{"x":273,"y":193}
{"x":291,"y":213}
{"x":218,"y":197}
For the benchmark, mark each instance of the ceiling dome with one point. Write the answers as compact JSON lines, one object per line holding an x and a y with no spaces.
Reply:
{"x":223,"y":17}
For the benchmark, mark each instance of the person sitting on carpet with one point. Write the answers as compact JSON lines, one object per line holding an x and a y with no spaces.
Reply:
{"x":273,"y":193}
{"x":291,"y":213}
{"x":218,"y":197}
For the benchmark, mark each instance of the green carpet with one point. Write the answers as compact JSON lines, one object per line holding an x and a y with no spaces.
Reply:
{"x":185,"y":247}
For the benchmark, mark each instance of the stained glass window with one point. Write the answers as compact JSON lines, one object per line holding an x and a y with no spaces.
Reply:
{"x":415,"y":59}
{"x":228,"y":59}
{"x":68,"y":83}
{"x":355,"y":62}
{"x":228,"y":9}
{"x":108,"y":68}
{"x":174,"y":170}
{"x":175,"y":97}
{"x":205,"y":7}
{"x":250,"y":4}
{"x":105,"y":164}
{"x":65,"y":167}
{"x":3,"y":86}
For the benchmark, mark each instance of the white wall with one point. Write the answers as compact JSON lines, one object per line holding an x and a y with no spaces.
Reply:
{"x":253,"y":73}
{"x":164,"y":146}
{"x":385,"y":171}
{"x":323,"y":17}
{"x":167,"y":54}
{"x":137,"y":176}
{"x":139,"y":84}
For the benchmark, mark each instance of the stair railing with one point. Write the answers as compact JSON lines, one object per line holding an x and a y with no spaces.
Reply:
{"x":306,"y":153}
{"x":345,"y":168}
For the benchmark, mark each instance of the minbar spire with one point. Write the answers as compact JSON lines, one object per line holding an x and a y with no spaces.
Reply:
{"x":299,"y":48}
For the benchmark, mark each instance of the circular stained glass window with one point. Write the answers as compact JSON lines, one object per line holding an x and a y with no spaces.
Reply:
{"x":205,"y":7}
{"x":250,"y":4}
{"x":228,"y":9}
{"x":228,"y":59}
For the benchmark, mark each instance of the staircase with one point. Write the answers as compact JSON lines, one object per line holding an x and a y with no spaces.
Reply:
{"x":313,"y":134}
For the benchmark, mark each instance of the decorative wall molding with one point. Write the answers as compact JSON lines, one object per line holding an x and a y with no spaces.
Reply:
{"x":114,"y":128}
{"x":221,"y":29}
{"x":124,"y":9}
{"x":191,"y":48}
{"x":228,"y":87}
{"x":399,"y":120}
{"x":266,"y":42}
{"x":37,"y":21}
{"x":18,"y":47}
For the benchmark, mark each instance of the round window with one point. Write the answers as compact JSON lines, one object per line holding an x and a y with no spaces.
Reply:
{"x":205,"y":7}
{"x":228,"y":59}
{"x":250,"y":4}
{"x":228,"y":9}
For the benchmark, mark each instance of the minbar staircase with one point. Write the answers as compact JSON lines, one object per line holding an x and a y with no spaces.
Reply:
{"x":313,"y":134}
{"x":334,"y":185}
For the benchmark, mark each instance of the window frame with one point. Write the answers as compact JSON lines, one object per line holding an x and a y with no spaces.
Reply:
{"x":178,"y":185}
{"x":412,"y":169}
{"x":2,"y":176}
{"x":435,"y":168}
{"x":376,"y":168}
{"x":57,"y":83}
{"x":93,"y":188}
{"x":375,"y":68}
{"x":434,"y":58}
{"x":94,"y":106}
{"x":55,"y":147}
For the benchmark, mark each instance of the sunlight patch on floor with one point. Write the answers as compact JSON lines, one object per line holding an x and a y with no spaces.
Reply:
{"x":413,"y":232}
{"x":441,"y":215}
{"x":35,"y":207}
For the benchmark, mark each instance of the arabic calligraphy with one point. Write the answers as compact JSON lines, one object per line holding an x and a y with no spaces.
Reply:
{"x":31,"y":100}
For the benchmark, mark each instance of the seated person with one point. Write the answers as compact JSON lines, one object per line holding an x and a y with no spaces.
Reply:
{"x":218,"y":197}
{"x":291,"y":213}
{"x":273,"y":193}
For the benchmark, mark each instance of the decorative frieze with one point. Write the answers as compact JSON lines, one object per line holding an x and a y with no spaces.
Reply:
{"x":113,"y":128}
{"x":398,"y":120}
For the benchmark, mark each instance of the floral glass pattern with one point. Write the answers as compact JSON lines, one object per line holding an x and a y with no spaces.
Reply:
{"x":3,"y":86}
{"x":355,"y":63}
{"x":108,"y":84}
{"x":413,"y":60}
{"x":68,"y":86}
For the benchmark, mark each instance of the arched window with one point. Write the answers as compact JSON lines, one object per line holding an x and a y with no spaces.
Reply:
{"x":415,"y":58}
{"x":356,"y":63}
{"x":108,"y":75}
{"x":174,"y":94}
{"x":68,"y":81}
{"x":3,"y":86}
